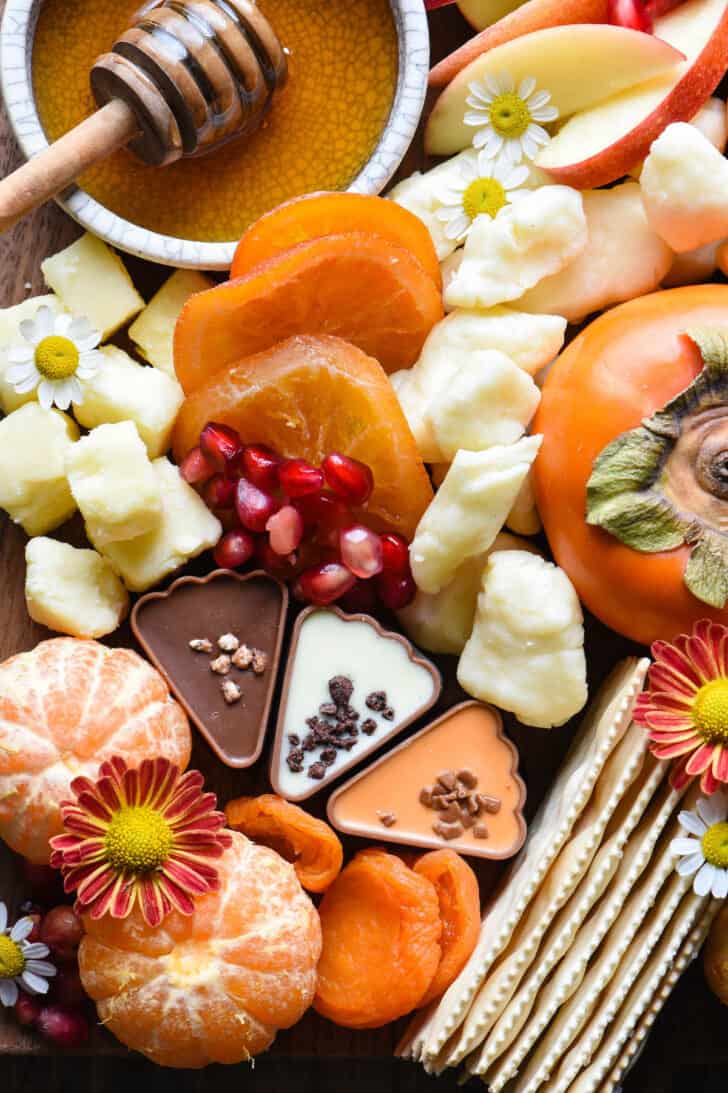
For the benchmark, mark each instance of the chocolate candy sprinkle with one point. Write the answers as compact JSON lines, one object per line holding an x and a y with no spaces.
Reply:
{"x":460,"y":807}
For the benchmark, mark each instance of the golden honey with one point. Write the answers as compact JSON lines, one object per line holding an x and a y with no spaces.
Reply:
{"x":322,"y":129}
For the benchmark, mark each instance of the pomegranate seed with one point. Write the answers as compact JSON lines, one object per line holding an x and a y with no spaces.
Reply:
{"x":220,"y":443}
{"x":395,"y":553}
{"x":27,"y":1009}
{"x":278,"y":565}
{"x":324,"y":583}
{"x":361,"y":551}
{"x":64,"y":1026}
{"x":631,"y":14}
{"x":361,"y":599}
{"x":298,"y":478}
{"x":349,"y":479}
{"x":395,"y":591}
{"x":285,"y":528}
{"x":219,"y":492}
{"x":196,"y":467}
{"x":260,"y":464}
{"x":254,"y":506}
{"x":234,"y":549}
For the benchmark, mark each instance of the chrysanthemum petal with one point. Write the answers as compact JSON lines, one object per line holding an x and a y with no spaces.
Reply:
{"x":178,"y":897}
{"x":187,"y":878}
{"x":3,"y":917}
{"x":681,"y":845}
{"x":151,"y":902}
{"x":22,"y":928}
{"x":474,"y":118}
{"x":687,"y":866}
{"x":8,"y":992}
{"x":700,"y":760}
{"x":39,"y":967}
{"x":97,"y":882}
{"x":672,"y":751}
{"x":720,"y":884}
{"x":691,"y":822}
{"x":703,"y":879}
{"x":672,"y":657}
{"x":526,"y":87}
{"x":35,"y":950}
{"x":720,"y":763}
{"x":712,"y":810}
{"x":709,"y":783}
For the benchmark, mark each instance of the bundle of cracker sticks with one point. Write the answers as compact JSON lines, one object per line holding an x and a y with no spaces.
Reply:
{"x":590,"y":928}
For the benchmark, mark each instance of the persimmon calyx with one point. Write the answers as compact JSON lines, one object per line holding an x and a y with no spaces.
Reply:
{"x":664,"y":485}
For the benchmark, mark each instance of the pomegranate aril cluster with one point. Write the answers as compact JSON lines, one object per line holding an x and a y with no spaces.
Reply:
{"x":299,"y":522}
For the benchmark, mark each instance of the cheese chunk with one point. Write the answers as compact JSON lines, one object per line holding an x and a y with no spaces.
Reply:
{"x":153,"y":331}
{"x":692,"y":267}
{"x":72,"y":591}
{"x":10,"y":320}
{"x":526,"y":651}
{"x":122,"y":390}
{"x":468,"y":510}
{"x":34,"y":444}
{"x":530,"y":239}
{"x":114,"y":484}
{"x":92,"y":280}
{"x":186,"y":528}
{"x":424,"y":195}
{"x":523,"y":517}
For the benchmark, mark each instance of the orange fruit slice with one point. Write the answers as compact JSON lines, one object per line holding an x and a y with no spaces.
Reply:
{"x":315,"y":215}
{"x":310,"y":396}
{"x":355,"y":286}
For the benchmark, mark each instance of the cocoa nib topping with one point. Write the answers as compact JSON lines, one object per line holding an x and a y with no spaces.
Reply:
{"x":377,"y":701}
{"x":389,"y":819}
{"x":453,"y":796}
{"x":341,"y":689}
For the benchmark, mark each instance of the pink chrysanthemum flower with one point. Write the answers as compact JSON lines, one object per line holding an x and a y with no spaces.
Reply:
{"x":146,"y":836}
{"x":685,"y":706}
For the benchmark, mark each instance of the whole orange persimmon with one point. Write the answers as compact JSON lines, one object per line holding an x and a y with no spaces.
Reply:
{"x":632,"y":476}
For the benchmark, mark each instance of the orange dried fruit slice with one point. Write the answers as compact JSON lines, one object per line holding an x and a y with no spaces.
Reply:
{"x":355,"y":286}
{"x":315,"y":215}
{"x":381,"y":941}
{"x":310,"y":396}
{"x":457,"y":890}
{"x":310,"y":844}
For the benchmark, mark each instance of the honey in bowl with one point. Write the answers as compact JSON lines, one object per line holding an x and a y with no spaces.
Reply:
{"x":323,"y":126}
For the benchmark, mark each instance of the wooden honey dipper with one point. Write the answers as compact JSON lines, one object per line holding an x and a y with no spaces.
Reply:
{"x":185,"y":78}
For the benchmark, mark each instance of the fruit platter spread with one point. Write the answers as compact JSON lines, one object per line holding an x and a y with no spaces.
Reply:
{"x":379,"y":588}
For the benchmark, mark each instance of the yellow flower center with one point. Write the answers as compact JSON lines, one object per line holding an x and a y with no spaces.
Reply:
{"x":12,"y":960}
{"x":509,"y":115}
{"x":484,"y":195}
{"x":710,"y":711}
{"x":138,"y":839}
{"x":56,"y":358}
{"x":715,"y":845}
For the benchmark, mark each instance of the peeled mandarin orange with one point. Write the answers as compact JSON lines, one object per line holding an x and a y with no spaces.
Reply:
{"x":65,"y":707}
{"x":310,"y":396}
{"x":356,"y":286}
{"x":319,"y":214}
{"x":216,"y":986}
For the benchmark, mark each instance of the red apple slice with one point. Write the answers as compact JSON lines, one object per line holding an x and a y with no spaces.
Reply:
{"x":601,"y":144}
{"x":534,"y":15}
{"x":579,"y":65}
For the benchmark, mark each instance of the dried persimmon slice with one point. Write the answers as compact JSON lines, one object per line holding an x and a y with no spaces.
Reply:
{"x":457,"y":891}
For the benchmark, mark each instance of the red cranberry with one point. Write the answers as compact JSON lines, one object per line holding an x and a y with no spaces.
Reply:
{"x":298,"y":478}
{"x":361,"y":599}
{"x":395,"y":554}
{"x":27,"y":1009}
{"x":285,"y":529}
{"x":349,"y":479}
{"x":61,"y":930}
{"x":260,"y":464}
{"x":361,"y":551}
{"x":631,"y":14}
{"x":66,"y":986}
{"x":395,"y":591}
{"x":219,"y":492}
{"x":196,"y":467}
{"x":234,"y":549}
{"x":220,"y":443}
{"x":254,"y":506}
{"x":63,"y":1025}
{"x":324,"y":583}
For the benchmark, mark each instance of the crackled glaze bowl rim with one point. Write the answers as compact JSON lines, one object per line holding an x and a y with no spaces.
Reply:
{"x":17,"y":31}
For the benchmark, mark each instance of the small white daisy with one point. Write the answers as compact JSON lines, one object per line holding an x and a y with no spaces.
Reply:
{"x":57,"y":352}
{"x":484,"y":188}
{"x":22,"y":962}
{"x":704,"y":851}
{"x":506,"y":118}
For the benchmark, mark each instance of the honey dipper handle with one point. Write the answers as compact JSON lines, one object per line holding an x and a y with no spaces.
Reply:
{"x":57,"y":166}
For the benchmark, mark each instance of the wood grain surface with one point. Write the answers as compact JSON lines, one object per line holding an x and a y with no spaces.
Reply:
{"x":692,"y":1029}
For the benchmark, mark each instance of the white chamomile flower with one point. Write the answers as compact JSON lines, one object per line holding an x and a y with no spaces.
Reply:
{"x":704,"y":851}
{"x":57,"y":352}
{"x":22,"y":962}
{"x":485,"y":186}
{"x":506,"y":117}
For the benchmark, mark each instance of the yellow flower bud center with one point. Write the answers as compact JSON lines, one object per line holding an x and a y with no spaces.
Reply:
{"x":710,"y":711}
{"x":56,"y":358}
{"x":484,"y":196}
{"x":715,"y":845}
{"x":12,"y":960}
{"x":138,"y":839}
{"x":509,"y":115}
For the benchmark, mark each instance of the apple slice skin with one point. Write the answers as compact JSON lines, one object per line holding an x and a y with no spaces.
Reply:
{"x":533,"y":15}
{"x":483,"y":13}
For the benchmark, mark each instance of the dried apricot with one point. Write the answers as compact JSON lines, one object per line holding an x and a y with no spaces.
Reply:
{"x":381,"y":941}
{"x":315,"y":215}
{"x":356,"y":286}
{"x":310,"y":844}
{"x":457,"y":891}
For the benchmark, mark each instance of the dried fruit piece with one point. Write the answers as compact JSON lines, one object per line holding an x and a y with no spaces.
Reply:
{"x":381,"y":932}
{"x":309,"y":843}
{"x":457,"y":891}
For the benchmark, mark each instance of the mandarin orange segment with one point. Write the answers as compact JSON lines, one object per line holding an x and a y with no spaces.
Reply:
{"x":457,"y":891}
{"x":311,"y":396}
{"x":315,"y":215}
{"x":310,"y":844}
{"x":381,"y":941}
{"x":355,"y":286}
